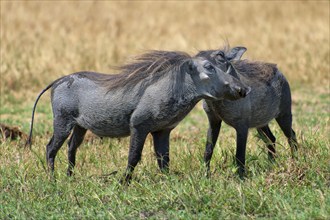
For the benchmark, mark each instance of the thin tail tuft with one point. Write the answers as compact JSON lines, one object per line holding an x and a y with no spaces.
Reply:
{"x":28,"y":143}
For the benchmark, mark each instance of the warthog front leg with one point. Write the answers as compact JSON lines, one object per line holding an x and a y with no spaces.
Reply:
{"x":138,"y":137}
{"x":161,"y":145}
{"x":212,"y":136}
{"x":241,"y":138}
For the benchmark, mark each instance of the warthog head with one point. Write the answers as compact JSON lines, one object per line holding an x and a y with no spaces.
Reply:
{"x":214,"y":83}
{"x":223,"y":58}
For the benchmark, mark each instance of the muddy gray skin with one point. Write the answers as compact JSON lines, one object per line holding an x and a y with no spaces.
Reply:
{"x":150,"y":95}
{"x":270,"y":98}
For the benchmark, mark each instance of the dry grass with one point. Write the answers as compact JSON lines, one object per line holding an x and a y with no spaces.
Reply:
{"x":41,"y":41}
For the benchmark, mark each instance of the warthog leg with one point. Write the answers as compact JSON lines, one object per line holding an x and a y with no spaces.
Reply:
{"x":138,"y":137}
{"x":212,"y":136}
{"x":62,"y":126}
{"x":285,"y":123}
{"x":269,"y":139}
{"x":161,"y":145}
{"x":75,"y":141}
{"x":241,"y":138}
{"x":54,"y":145}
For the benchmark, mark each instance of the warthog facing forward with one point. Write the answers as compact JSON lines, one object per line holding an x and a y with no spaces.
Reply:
{"x":270,"y":98}
{"x":151,"y":95}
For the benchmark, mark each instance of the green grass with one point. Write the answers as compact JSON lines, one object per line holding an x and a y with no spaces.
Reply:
{"x":287,"y":189}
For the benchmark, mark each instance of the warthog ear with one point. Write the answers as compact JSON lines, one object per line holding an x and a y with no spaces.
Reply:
{"x":235,"y":53}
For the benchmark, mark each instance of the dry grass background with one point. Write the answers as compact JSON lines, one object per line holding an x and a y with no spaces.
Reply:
{"x":41,"y":41}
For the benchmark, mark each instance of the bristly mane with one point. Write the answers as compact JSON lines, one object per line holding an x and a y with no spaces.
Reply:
{"x":154,"y":63}
{"x":255,"y":69}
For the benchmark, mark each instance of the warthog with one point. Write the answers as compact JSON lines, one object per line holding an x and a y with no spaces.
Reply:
{"x":152,"y":94}
{"x":270,"y":98}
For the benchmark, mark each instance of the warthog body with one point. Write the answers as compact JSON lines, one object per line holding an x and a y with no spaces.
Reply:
{"x":150,"y":95}
{"x":269,"y":98}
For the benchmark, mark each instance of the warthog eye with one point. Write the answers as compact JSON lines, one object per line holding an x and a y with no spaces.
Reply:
{"x":209,"y":67}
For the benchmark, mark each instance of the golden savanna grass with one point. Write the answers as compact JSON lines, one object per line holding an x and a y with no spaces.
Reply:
{"x":43,"y":40}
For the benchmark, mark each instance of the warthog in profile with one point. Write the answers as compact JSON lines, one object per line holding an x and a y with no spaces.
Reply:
{"x":150,"y":95}
{"x":270,"y":98}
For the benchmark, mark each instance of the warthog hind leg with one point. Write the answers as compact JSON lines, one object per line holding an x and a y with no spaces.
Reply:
{"x":75,"y":141}
{"x":269,"y":139}
{"x":285,"y":123}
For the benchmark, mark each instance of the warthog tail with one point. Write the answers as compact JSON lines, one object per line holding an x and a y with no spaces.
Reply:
{"x":29,"y":140}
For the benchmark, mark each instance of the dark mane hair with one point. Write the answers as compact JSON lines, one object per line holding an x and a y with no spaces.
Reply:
{"x":255,"y":69}
{"x":153,"y":63}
